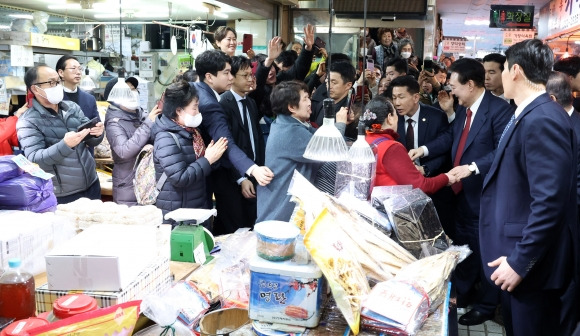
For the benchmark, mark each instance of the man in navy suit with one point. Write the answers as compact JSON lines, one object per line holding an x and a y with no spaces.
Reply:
{"x":213,"y":68}
{"x":235,"y":194}
{"x":477,"y":127}
{"x":528,"y":224}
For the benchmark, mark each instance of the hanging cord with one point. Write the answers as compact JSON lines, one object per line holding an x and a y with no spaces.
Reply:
{"x":167,"y":329}
{"x":331,"y":13}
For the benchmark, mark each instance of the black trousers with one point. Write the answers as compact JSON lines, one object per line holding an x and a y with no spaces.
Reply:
{"x":234,"y":211}
{"x":93,"y":192}
{"x":532,"y":313}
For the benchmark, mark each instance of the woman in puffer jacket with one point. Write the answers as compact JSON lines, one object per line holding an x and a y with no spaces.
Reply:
{"x":128,"y":129}
{"x":187,"y":164}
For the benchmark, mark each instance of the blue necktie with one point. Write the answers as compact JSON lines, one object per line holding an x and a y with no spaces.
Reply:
{"x":509,"y":124}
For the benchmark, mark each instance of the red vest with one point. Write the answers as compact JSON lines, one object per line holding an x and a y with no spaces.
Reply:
{"x":380,"y":143}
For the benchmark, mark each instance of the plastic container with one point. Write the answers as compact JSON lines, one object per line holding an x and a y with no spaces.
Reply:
{"x":20,"y":327}
{"x":286,"y":292}
{"x":17,"y":292}
{"x":71,"y":305}
{"x":276,"y":240}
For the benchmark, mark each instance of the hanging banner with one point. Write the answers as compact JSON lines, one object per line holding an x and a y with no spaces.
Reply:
{"x":453,"y":46}
{"x":511,"y":37}
{"x":558,"y":16}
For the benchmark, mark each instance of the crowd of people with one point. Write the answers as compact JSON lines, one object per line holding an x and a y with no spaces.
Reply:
{"x":494,"y":142}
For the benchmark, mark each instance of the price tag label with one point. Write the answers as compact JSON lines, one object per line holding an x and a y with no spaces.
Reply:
{"x":199,"y":254}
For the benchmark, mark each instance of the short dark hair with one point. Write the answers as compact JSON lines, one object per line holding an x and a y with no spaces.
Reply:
{"x":189,"y":76}
{"x":337,"y":57}
{"x":399,"y":64}
{"x":497,"y":58}
{"x":61,"y":63}
{"x":31,"y":76}
{"x":469,"y":69}
{"x":534,"y":57}
{"x":222,"y":32}
{"x":383,"y":30}
{"x":286,"y":93}
{"x":570,"y":65}
{"x":178,"y":95}
{"x":345,"y":69}
{"x":211,"y":61}
{"x":559,"y":86}
{"x":406,"y":81}
{"x":381,"y":107}
{"x":239,"y":63}
{"x":287,"y":58}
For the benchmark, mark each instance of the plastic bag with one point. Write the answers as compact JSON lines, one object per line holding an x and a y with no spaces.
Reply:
{"x":163,"y":311}
{"x":8,"y":168}
{"x":232,"y":269}
{"x":376,"y":218}
{"x":354,"y":178}
{"x":395,"y":306}
{"x":27,"y":192}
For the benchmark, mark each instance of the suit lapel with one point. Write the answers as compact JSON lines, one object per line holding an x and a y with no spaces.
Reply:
{"x":423,"y":124}
{"x":478,"y":121}
{"x":460,"y":116}
{"x":499,"y":152}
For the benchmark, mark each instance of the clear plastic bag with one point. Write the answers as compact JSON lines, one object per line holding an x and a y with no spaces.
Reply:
{"x":164,"y":312}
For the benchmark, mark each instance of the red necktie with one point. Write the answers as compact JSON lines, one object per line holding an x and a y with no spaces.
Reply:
{"x":458,"y":186}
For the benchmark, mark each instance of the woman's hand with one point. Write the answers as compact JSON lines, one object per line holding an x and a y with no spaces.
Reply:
{"x":154,"y":113}
{"x":214,"y":151}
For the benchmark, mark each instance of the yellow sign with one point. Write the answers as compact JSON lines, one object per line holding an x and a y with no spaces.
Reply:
{"x":56,"y":42}
{"x":513,"y":37}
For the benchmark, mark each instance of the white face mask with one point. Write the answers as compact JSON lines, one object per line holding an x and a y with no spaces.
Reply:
{"x":406,"y":54}
{"x":54,"y":94}
{"x":192,"y":121}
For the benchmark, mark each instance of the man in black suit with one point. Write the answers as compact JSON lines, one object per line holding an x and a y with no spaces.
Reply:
{"x":472,"y":138}
{"x":213,"y":68}
{"x":235,"y":194}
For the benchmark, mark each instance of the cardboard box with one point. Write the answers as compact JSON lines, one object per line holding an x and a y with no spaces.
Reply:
{"x":155,"y":279}
{"x":101,"y":258}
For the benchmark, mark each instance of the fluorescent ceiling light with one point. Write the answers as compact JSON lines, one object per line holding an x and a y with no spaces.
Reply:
{"x":577,"y":42}
{"x":4,"y":27}
{"x":477,"y":22}
{"x":220,"y":14}
{"x":152,"y":15}
{"x":107,"y":15}
{"x":21,"y":16}
{"x":65,"y":6}
{"x":473,"y":37}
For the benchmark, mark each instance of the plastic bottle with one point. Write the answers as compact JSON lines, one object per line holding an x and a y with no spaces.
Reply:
{"x":17,"y":292}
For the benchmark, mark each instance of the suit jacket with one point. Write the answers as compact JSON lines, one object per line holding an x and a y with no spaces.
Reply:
{"x":432,"y":122}
{"x":528,"y":202}
{"x":215,"y":126}
{"x":239,"y":132}
{"x":486,"y":128}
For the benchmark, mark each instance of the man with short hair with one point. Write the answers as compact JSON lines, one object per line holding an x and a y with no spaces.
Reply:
{"x":395,"y":68}
{"x":493,"y":64}
{"x":341,"y":78}
{"x":48,"y":135}
{"x":571,"y":67}
{"x":473,"y":138}
{"x":214,"y":70}
{"x":235,"y":194}
{"x":529,"y":228}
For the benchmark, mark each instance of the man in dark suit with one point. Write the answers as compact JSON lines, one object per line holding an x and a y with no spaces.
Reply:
{"x":213,"y":68}
{"x":473,"y":138}
{"x":235,"y":194}
{"x":528,"y":203}
{"x":560,"y":91}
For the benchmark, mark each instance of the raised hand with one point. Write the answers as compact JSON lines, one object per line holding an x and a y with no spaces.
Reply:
{"x":445,"y":101}
{"x":274,"y":50}
{"x":309,"y":36}
{"x":215,"y":150}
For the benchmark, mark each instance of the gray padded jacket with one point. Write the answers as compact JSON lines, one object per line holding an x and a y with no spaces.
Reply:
{"x":41,"y":133}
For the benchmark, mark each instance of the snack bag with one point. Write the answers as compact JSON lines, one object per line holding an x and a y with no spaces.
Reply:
{"x":118,"y":320}
{"x":331,"y":250}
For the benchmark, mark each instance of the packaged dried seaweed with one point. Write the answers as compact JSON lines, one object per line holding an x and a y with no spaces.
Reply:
{"x":414,"y":219}
{"x":354,"y":178}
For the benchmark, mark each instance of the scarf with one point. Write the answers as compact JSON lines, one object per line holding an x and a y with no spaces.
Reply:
{"x":198,"y":145}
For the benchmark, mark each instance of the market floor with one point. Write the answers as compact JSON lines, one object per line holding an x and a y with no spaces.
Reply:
{"x":489,"y":328}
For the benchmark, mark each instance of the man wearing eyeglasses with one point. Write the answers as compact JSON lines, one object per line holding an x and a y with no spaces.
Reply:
{"x":48,"y":136}
{"x":235,"y":195}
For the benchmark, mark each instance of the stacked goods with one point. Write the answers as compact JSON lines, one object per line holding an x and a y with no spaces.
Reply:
{"x":85,"y":213}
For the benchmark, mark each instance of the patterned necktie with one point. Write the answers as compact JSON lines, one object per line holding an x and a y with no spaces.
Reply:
{"x":509,"y":124}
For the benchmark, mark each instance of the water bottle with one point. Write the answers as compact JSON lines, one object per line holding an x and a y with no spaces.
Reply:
{"x":17,"y":292}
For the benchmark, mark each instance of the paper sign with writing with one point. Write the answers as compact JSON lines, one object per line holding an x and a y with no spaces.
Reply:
{"x":31,"y":168}
{"x":453,"y":46}
{"x":21,"y":56}
{"x":513,"y":37}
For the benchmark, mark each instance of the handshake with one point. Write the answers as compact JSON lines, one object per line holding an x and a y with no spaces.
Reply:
{"x":455,"y":175}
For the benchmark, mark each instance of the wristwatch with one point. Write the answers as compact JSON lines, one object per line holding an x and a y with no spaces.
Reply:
{"x":471,"y":167}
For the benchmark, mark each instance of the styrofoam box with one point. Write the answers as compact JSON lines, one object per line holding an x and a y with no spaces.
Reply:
{"x":285,"y":292}
{"x":30,"y":236}
{"x":101,"y":258}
